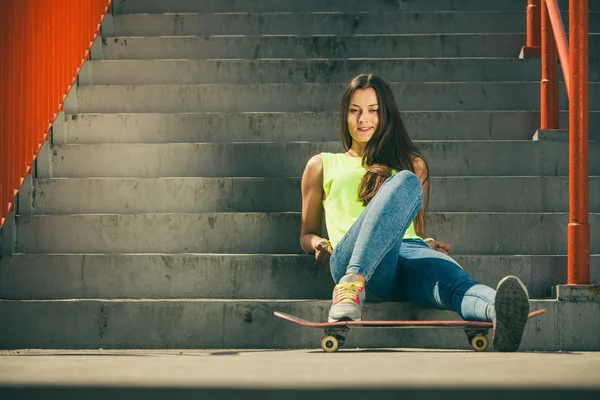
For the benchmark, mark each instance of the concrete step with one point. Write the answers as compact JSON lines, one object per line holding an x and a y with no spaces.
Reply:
{"x":218,"y":6}
{"x":197,"y":195}
{"x":157,"y":324}
{"x":323,"y":23}
{"x":310,"y":97}
{"x":446,"y":158}
{"x":286,"y":127}
{"x":332,"y":23}
{"x":237,"y":276}
{"x":303,"y":47}
{"x":264,"y":233}
{"x":179,"y":72}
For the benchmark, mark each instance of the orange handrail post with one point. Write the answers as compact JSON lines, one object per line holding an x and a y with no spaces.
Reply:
{"x":579,"y":228}
{"x":43,"y":45}
{"x":533,"y":48}
{"x":574,"y":64}
{"x":549,"y":84}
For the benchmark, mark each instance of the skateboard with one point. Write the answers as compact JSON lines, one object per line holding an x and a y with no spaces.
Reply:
{"x":335,"y":332}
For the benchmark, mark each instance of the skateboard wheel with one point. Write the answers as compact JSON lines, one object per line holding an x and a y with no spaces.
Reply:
{"x":480,"y":343}
{"x":329,"y":344}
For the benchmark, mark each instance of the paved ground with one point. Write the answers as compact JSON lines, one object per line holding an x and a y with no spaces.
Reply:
{"x":104,"y":373}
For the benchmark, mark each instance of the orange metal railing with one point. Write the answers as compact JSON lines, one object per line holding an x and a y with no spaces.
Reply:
{"x":533,"y":47}
{"x":43,"y":44}
{"x":573,"y":58}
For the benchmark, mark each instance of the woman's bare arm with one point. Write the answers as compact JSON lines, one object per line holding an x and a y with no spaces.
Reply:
{"x":312,"y":207}
{"x":423,"y":174}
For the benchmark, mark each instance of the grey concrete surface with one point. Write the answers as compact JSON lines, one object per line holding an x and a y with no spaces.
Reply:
{"x":389,"y":368}
{"x":162,"y":72}
{"x":471,"y":233}
{"x":211,"y":6}
{"x":248,"y":374}
{"x":230,"y":276}
{"x":216,"y":323}
{"x":514,"y":96}
{"x":302,"y":126}
{"x":336,"y":23}
{"x":558,"y":135}
{"x":193,"y":195}
{"x":8,"y":235}
{"x":445,"y":158}
{"x":325,"y":46}
{"x":310,"y":23}
{"x":130,"y":393}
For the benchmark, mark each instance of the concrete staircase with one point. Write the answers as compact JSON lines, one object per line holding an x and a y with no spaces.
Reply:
{"x":165,"y":213}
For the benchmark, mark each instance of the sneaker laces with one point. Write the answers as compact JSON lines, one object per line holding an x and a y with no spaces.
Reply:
{"x":347,"y":292}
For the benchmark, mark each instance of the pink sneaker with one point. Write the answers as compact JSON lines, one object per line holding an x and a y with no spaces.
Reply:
{"x":348,"y":300}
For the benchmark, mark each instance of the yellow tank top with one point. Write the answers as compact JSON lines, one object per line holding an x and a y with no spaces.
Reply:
{"x":341,"y":179}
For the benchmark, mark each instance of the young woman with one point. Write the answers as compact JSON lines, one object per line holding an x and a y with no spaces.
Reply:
{"x":373,"y":199}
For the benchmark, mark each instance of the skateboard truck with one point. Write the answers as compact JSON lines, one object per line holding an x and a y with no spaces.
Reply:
{"x":334,"y":338}
{"x":478,"y":339}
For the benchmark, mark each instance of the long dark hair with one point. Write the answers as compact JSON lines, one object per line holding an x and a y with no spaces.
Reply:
{"x":390,"y":147}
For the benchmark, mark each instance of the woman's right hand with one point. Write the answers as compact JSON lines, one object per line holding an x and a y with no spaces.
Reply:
{"x":323,"y":251}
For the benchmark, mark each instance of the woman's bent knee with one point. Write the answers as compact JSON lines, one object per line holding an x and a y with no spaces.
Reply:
{"x":407,"y":181}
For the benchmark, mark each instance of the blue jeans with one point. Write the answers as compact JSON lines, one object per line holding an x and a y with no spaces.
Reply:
{"x":406,"y":270}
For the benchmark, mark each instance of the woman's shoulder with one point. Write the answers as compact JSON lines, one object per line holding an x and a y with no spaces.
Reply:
{"x":321,"y":158}
{"x":317,"y":159}
{"x":320,"y":162}
{"x":315,"y":164}
{"x":313,"y":173}
{"x":327,"y":161}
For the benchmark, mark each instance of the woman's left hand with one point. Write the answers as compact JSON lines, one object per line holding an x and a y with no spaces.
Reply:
{"x":440,"y":246}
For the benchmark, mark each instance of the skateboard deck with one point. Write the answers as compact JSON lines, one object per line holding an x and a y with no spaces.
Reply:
{"x":335,"y":332}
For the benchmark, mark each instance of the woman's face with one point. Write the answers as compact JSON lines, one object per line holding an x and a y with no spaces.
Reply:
{"x":363,"y":115}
